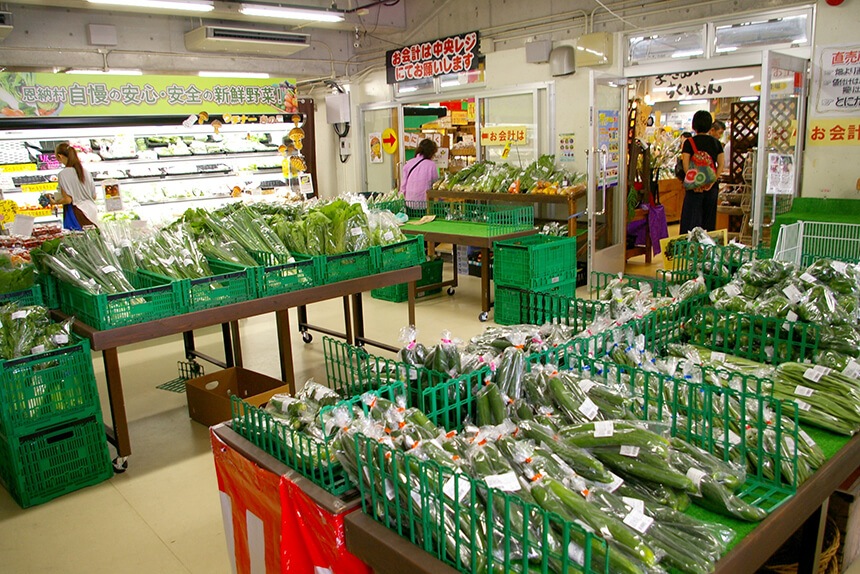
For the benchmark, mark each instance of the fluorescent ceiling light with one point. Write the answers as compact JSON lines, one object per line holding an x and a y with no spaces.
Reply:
{"x":110,"y":72}
{"x":727,"y":80}
{"x":749,"y":99}
{"x":693,"y":102}
{"x":449,"y":83}
{"x":726,"y":49}
{"x":291,"y":13}
{"x":408,"y":89}
{"x":688,"y":53}
{"x":188,"y":6}
{"x":250,"y":75}
{"x":661,"y":89}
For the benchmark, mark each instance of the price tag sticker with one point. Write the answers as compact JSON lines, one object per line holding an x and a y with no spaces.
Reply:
{"x":734,"y":438}
{"x":555,"y":279}
{"x":793,"y":294}
{"x":586,"y":385}
{"x":388,"y":236}
{"x":732,"y":290}
{"x":108,"y":269}
{"x":791,"y":316}
{"x":852,"y":369}
{"x":808,"y":278}
{"x":802,"y":391}
{"x":450,"y":489}
{"x":576,"y":553}
{"x":840,"y":266}
{"x":389,"y":489}
{"x":616,"y":483}
{"x":636,"y":504}
{"x":589,"y":410}
{"x":61,"y":339}
{"x":629,"y":450}
{"x":604,"y":429}
{"x":803,"y":405}
{"x":813,"y":375}
{"x":355,"y":231}
{"x":824,"y":370}
{"x":638,"y":521}
{"x":805,"y":436}
{"x":37,"y":349}
{"x":718,"y":357}
{"x":506,"y":482}
{"x":696,"y":476}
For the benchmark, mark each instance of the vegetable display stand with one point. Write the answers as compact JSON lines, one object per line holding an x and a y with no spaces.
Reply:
{"x":399,"y":255}
{"x":716,"y":263}
{"x":153,"y":298}
{"x":537,"y":261}
{"x":31,"y":296}
{"x":431,"y":274}
{"x":275,"y":275}
{"x":495,"y":219}
{"x":47,"y":389}
{"x":541,"y":305}
{"x":803,"y":242}
{"x":58,"y":460}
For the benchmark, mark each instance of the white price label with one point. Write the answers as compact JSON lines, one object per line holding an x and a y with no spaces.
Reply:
{"x":805,"y":436}
{"x":507,"y":482}
{"x":450,"y":489}
{"x":60,"y":339}
{"x":734,"y":438}
{"x":589,"y":410}
{"x":586,"y":385}
{"x":604,"y":429}
{"x":840,"y":266}
{"x":555,"y":280}
{"x":718,"y":357}
{"x":793,"y":294}
{"x":629,"y":450}
{"x":616,"y":483}
{"x":636,"y":504}
{"x":564,"y":466}
{"x":125,"y":243}
{"x":388,"y":236}
{"x":37,"y":349}
{"x":638,"y":521}
{"x":789,"y":444}
{"x":19,"y":315}
{"x":812,"y":375}
{"x":576,"y":553}
{"x":108,"y":269}
{"x":802,"y":391}
{"x":732,"y":290}
{"x":803,"y":405}
{"x":696,"y":475}
{"x":389,"y":489}
{"x":355,"y":231}
{"x":808,"y":278}
{"x":852,"y":370}
{"x":791,"y":316}
{"x":823,"y":370}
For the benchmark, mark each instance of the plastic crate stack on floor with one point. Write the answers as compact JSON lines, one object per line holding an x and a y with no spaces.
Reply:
{"x":537,"y":263}
{"x":52,"y":440}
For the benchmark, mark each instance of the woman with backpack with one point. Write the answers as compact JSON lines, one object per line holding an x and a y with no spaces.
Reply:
{"x":703,"y":159}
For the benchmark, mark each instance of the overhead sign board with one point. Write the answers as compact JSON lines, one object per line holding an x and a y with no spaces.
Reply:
{"x":451,"y":55}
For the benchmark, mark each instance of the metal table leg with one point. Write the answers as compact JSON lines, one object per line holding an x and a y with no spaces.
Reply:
{"x":285,"y":347}
{"x":485,"y":284}
{"x":118,"y":434}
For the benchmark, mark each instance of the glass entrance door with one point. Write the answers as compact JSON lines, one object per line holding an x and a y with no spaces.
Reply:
{"x":380,"y":170}
{"x":607,"y":177}
{"x":782,"y":109}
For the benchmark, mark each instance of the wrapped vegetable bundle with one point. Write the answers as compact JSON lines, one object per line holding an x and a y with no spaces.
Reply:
{"x":88,"y":263}
{"x":28,"y":330}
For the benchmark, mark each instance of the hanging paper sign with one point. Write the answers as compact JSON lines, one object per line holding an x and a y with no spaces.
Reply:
{"x":306,"y":185}
{"x":113,"y":200}
{"x":389,"y":141}
{"x":839,"y":79}
{"x":608,"y":141}
{"x":374,"y":144}
{"x":459,"y":118}
{"x":506,"y":151}
{"x":8,"y":209}
{"x":566,"y":146}
{"x":441,"y":158}
{"x":451,"y":55}
{"x":501,"y":135}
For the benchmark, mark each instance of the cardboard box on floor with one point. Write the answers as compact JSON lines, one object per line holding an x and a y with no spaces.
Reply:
{"x":209,"y":395}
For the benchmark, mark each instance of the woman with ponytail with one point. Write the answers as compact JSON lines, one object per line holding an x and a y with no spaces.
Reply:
{"x":76,"y":186}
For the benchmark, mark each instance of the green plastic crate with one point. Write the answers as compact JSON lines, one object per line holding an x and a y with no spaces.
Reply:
{"x":42,"y":466}
{"x":153,"y":298}
{"x":558,"y":303}
{"x":47,"y":389}
{"x":277,"y":275}
{"x":335,"y":268}
{"x":716,"y":263}
{"x":230,"y":283}
{"x":31,"y":296}
{"x":535,"y":261}
{"x":500,"y":218}
{"x":400,"y":255}
{"x":50,"y":297}
{"x":431,"y":273}
{"x":351,"y":370}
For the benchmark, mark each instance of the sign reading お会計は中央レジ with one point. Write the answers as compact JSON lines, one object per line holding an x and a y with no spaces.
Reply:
{"x":49,"y":95}
{"x":451,"y":55}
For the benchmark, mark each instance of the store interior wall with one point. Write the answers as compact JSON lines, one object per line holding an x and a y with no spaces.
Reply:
{"x":832,"y":168}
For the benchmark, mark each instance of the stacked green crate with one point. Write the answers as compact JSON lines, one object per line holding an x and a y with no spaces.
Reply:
{"x":431,"y":274}
{"x":52,"y":440}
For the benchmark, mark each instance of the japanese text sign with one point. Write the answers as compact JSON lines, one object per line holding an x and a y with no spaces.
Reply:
{"x":839,"y":80}
{"x":450,"y":55}
{"x":730,"y":83}
{"x":834,"y":132}
{"x":501,"y":135}
{"x":40,"y":95}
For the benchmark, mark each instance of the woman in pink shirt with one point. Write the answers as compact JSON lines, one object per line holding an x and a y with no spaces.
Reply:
{"x":419,"y":173}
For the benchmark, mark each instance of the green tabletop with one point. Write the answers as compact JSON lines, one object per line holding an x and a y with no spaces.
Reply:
{"x":835,"y":210}
{"x":465,"y":228}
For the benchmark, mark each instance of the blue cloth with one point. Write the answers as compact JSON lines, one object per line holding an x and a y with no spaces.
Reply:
{"x":70,"y":221}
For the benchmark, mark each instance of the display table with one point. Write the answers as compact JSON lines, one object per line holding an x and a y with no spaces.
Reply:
{"x":818,"y":209}
{"x":276,"y":520}
{"x":468,"y":234}
{"x":110,"y":340}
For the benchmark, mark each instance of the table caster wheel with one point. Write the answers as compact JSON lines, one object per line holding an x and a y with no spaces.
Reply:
{"x":307,"y":337}
{"x":450,"y":290}
{"x":483,"y":317}
{"x":359,"y":344}
{"x":120,"y":464}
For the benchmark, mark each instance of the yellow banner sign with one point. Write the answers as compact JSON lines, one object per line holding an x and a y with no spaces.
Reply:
{"x":459,"y":118}
{"x":39,"y":187}
{"x":13,"y":167}
{"x":842,"y":131}
{"x":502,"y":135}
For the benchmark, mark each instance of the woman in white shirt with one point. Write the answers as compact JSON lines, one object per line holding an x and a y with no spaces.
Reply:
{"x":76,"y":186}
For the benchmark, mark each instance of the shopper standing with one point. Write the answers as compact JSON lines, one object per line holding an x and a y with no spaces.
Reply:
{"x":679,"y":163}
{"x":700,"y":206}
{"x":419,"y":173}
{"x":77,"y":191}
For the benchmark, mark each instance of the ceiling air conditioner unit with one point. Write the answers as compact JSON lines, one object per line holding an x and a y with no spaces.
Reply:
{"x":245,"y":41}
{"x":5,"y":25}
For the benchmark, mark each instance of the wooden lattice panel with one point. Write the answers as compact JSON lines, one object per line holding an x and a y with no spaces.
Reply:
{"x":744,"y":137}
{"x":782,"y":112}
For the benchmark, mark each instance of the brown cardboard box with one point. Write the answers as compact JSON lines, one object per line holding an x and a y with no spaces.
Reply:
{"x":209,"y":395}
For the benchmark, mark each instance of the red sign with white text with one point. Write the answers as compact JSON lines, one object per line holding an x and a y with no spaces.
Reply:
{"x":451,"y":55}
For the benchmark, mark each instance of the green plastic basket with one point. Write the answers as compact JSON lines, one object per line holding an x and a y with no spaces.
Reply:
{"x":400,"y":255}
{"x":763,"y":339}
{"x":64,"y":458}
{"x":47,"y":389}
{"x":716,"y":263}
{"x":50,"y":297}
{"x":313,"y":459}
{"x":394,"y":206}
{"x":351,"y":370}
{"x":557,"y":303}
{"x":153,"y":298}
{"x":31,"y":296}
{"x":277,"y":274}
{"x":431,"y":274}
{"x":335,"y":268}
{"x":535,"y":261}
{"x":231,"y":283}
{"x":408,"y":496}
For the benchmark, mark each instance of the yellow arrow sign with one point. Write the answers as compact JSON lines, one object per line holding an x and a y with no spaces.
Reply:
{"x":389,"y":141}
